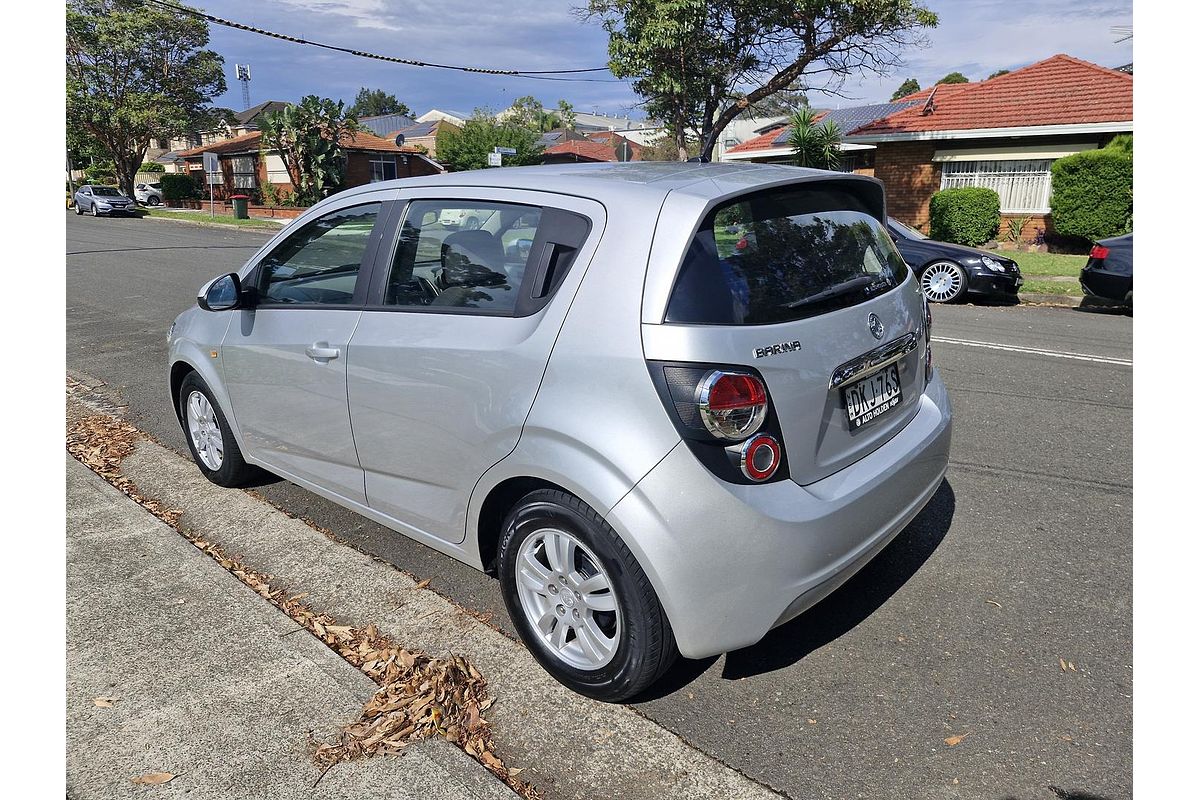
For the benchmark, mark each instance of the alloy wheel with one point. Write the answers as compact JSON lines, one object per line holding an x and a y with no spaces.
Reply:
{"x":568,"y":599}
{"x":942,"y":282}
{"x":205,"y":431}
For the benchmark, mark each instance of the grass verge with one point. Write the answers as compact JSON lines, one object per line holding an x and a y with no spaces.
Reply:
{"x":1038,"y":264}
{"x":220,"y":219}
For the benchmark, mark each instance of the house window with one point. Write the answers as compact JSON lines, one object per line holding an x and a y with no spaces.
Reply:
{"x":383,"y":168}
{"x":277,"y":170}
{"x":1023,"y":185}
{"x":245,"y":172}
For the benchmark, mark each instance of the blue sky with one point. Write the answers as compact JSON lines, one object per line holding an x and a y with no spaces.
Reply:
{"x":975,"y":37}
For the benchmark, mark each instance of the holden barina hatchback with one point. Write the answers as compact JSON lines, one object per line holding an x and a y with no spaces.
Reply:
{"x":669,"y":406}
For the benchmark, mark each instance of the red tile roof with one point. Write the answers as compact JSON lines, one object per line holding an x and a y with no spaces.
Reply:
{"x":583,"y":149}
{"x":250,"y":142}
{"x":765,"y":141}
{"x":1060,"y":90}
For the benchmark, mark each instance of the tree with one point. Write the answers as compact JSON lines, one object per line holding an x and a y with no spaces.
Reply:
{"x":782,"y":103}
{"x":376,"y":103}
{"x":665,"y":148}
{"x":308,"y":137}
{"x":909,"y":86}
{"x":566,"y":115}
{"x":955,"y":77}
{"x":528,"y":112}
{"x":136,"y":71}
{"x":468,"y":148}
{"x":814,"y":145}
{"x":997,"y":74}
{"x":699,"y":64}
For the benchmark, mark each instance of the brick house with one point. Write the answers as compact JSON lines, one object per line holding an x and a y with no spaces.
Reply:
{"x":591,"y":147}
{"x":1002,"y":133}
{"x":245,"y":169}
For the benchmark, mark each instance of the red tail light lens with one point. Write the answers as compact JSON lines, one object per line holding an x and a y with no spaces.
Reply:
{"x":1100,"y":252}
{"x":732,"y":405}
{"x":760,"y":457}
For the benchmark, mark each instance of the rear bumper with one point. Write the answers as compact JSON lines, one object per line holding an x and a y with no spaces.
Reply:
{"x":732,"y":562}
{"x":1109,"y":285}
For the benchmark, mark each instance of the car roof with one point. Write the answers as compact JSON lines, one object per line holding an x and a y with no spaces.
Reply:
{"x":630,"y":180}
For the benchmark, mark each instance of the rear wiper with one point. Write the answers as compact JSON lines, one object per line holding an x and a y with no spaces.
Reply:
{"x":837,"y":290}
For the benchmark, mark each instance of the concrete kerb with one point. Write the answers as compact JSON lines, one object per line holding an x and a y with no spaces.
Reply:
{"x":207,"y":679}
{"x":570,"y":747}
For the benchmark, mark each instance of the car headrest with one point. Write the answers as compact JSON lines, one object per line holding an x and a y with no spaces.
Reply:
{"x":472,"y":258}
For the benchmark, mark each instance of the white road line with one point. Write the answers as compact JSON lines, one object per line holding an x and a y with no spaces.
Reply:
{"x":1125,"y":362}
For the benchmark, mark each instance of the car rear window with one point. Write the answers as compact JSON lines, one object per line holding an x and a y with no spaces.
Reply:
{"x":783,"y":255}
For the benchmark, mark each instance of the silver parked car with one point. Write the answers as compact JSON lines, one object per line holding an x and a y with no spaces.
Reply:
{"x":149,"y":194}
{"x":97,"y":200}
{"x":670,"y":406}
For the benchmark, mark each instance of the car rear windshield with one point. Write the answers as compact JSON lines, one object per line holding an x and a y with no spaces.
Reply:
{"x":783,"y":255}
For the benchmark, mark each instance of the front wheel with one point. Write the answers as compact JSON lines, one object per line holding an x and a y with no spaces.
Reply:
{"x":943,"y":282}
{"x":579,"y":599}
{"x":93,"y":211}
{"x":209,"y":437}
{"x":78,"y":210}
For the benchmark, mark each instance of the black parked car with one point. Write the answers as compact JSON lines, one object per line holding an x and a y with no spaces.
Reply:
{"x":948,"y":272}
{"x":1109,"y":271}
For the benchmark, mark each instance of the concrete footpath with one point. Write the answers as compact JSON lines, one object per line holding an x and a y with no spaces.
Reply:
{"x":174,"y":666}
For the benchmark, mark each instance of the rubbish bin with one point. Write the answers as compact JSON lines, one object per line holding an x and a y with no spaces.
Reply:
{"x":241,"y":206}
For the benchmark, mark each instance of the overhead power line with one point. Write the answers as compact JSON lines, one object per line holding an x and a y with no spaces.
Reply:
{"x":545,"y":74}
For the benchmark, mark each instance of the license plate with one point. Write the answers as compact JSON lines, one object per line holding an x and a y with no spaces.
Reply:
{"x":872,"y":397}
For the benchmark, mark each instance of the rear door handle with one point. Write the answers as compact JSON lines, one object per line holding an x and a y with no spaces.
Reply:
{"x":321,"y":351}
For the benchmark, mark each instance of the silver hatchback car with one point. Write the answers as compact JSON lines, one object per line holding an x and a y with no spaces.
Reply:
{"x":669,"y":406}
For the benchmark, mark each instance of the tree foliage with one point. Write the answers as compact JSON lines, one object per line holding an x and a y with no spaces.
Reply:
{"x":909,"y":86}
{"x":814,"y":144}
{"x":308,"y":137}
{"x":781,"y":103}
{"x":997,"y":74}
{"x":528,"y":112}
{"x":698,"y":64}
{"x":377,"y":103}
{"x":955,"y":77}
{"x":135,"y":72}
{"x":468,"y":148}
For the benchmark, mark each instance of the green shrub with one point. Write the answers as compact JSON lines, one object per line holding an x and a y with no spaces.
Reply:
{"x":152,"y":166}
{"x":178,"y":186}
{"x":1122,"y":142}
{"x":1091,"y":194}
{"x":968,"y":215}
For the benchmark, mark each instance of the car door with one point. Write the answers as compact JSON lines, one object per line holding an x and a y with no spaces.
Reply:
{"x":452,"y":345}
{"x":284,"y":358}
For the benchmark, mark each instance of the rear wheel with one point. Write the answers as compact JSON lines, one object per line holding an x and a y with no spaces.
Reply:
{"x":579,"y":599}
{"x":943,"y":282}
{"x":152,"y":200}
{"x":471,"y":224}
{"x":209,"y":437}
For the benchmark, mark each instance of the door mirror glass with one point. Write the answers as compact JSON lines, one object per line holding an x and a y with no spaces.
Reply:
{"x":222,"y":294}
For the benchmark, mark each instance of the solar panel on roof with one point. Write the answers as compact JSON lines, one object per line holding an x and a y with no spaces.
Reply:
{"x":849,"y":119}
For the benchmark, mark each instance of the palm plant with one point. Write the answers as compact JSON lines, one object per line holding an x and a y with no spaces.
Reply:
{"x":813,"y":145}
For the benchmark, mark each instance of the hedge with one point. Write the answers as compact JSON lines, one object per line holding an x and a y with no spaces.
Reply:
{"x":1091,"y":194}
{"x":968,"y":215}
{"x":178,"y":186}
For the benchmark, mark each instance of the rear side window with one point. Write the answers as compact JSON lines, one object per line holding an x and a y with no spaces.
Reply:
{"x":784,"y":255}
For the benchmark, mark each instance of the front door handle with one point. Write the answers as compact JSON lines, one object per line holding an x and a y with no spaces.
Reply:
{"x":321,"y":351}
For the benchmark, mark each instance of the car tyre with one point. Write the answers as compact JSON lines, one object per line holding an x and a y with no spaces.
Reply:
{"x":943,"y":282}
{"x":209,"y":437}
{"x":93,"y":211}
{"x":78,"y":210}
{"x":471,"y":224}
{"x":152,"y":200}
{"x":617,"y":639}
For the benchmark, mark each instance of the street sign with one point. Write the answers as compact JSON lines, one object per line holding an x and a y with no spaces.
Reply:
{"x":494,"y":159}
{"x":212,"y":162}
{"x":504,"y":151}
{"x":214,"y":178}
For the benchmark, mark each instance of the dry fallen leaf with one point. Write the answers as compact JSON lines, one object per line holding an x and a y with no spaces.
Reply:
{"x":812,"y":722}
{"x":153,"y":778}
{"x":953,"y":740}
{"x":105,"y":702}
{"x":1062,"y":663}
{"x":422,"y":584}
{"x":993,"y":602}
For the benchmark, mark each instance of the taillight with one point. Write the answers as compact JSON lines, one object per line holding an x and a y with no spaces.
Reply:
{"x":1099,"y":252}
{"x":928,"y":336}
{"x":760,"y":457}
{"x":724,"y":415}
{"x":732,"y":405}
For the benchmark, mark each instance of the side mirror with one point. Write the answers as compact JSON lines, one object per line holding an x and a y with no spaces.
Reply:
{"x":221,"y":294}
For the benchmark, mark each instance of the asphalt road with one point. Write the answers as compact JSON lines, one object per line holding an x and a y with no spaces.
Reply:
{"x":960,"y":628}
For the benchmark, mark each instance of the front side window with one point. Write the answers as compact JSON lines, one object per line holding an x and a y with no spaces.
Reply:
{"x":783,"y":255}
{"x":468,"y":255}
{"x":1023,"y":185}
{"x":319,"y":263}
